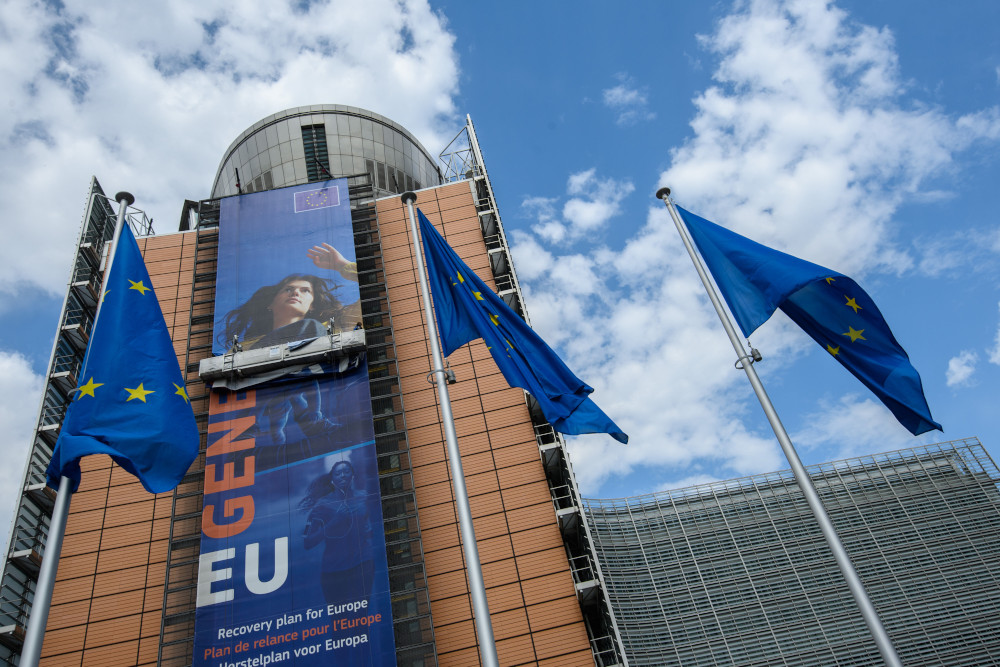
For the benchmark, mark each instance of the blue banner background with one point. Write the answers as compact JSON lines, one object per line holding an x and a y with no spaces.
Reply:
{"x":293,"y":566}
{"x":262,"y":240}
{"x":328,"y":509}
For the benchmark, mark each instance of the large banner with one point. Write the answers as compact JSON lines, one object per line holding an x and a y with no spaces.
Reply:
{"x":286,"y":266}
{"x":293,"y":565}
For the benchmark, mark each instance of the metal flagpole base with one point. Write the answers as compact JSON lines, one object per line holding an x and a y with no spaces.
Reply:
{"x":39,"y":615}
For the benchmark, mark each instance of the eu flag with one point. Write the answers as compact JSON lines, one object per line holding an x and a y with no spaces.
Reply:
{"x":132,"y":404}
{"x":467,"y":309}
{"x":830,"y":307}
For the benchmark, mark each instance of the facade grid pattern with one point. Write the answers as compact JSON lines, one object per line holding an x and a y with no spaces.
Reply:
{"x":536,"y":616}
{"x":738,"y":573}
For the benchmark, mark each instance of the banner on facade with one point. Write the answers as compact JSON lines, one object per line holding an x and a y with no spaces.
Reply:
{"x":286,"y":268}
{"x":293,"y":564}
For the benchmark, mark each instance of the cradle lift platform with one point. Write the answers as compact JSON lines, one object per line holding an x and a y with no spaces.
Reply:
{"x":240,"y":368}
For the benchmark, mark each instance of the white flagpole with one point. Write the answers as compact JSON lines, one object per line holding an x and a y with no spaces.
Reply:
{"x":31,"y":650}
{"x":477,"y":589}
{"x":805,"y":483}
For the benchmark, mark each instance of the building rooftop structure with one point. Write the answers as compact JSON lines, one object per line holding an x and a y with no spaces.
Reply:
{"x":309,"y":143}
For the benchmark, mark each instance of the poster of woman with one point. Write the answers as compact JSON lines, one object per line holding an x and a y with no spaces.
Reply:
{"x":289,"y":265}
{"x":293,"y":564}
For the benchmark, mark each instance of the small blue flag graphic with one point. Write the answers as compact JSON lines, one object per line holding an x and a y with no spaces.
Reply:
{"x":466,"y":309}
{"x":131,"y":403}
{"x":830,"y":307}
{"x":311,"y":200}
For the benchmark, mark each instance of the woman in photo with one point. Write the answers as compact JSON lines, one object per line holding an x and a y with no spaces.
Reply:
{"x":338,"y":519}
{"x":299,"y":307}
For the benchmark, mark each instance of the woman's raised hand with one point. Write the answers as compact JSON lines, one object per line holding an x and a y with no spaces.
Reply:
{"x":325,"y":256}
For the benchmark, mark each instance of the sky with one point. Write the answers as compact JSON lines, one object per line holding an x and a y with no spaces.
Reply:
{"x":859,"y":135}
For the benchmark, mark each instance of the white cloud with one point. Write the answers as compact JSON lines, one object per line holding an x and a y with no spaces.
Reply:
{"x":804,"y":143}
{"x":629,"y":103}
{"x":531,"y":258}
{"x":855,"y":425}
{"x":592,"y":202}
{"x":151,"y":106}
{"x":961,"y":368}
{"x":543,"y":210}
{"x":956,"y":253}
{"x":685,"y":482}
{"x":19,"y":392}
{"x":995,"y":351}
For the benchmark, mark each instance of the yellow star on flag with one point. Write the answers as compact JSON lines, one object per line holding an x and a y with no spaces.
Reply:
{"x":139,"y":392}
{"x":479,"y":296}
{"x":88,"y":389}
{"x":833,"y":350}
{"x":181,"y":391}
{"x":828,"y":280}
{"x":852,"y":303}
{"x":495,"y":320}
{"x":139,"y":287}
{"x":855,"y":334}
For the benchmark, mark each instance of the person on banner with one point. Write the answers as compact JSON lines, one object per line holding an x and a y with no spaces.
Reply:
{"x":339,"y":520}
{"x":299,"y":308}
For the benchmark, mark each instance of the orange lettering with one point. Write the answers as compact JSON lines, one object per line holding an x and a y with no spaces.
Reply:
{"x":236,"y":428}
{"x":229,"y":478}
{"x":227,"y":401}
{"x":217,"y":531}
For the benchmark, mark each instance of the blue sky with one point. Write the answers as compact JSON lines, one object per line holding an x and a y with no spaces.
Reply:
{"x":859,"y":135}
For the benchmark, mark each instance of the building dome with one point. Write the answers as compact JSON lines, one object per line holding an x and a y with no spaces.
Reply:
{"x":322,"y":141}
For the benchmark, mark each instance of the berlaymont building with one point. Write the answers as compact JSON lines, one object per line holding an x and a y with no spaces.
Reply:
{"x":255,"y":560}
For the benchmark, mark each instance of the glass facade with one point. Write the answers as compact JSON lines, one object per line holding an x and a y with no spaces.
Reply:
{"x":738,"y":573}
{"x":324,"y":141}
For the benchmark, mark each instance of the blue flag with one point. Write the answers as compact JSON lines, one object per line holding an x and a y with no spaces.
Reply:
{"x":132,"y":404}
{"x":830,"y":307}
{"x":467,"y":309}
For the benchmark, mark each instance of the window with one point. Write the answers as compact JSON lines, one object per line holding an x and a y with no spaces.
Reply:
{"x":317,"y":158}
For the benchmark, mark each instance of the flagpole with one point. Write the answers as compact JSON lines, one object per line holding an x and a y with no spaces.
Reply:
{"x":477,"y":589}
{"x":31,"y":650}
{"x":805,"y":483}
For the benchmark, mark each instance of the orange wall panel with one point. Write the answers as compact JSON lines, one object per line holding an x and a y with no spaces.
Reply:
{"x":116,"y":545}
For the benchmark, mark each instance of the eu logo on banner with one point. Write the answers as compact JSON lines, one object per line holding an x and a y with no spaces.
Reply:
{"x":756,"y":280}
{"x":467,"y":309}
{"x":310,"y":200}
{"x":132,"y":404}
